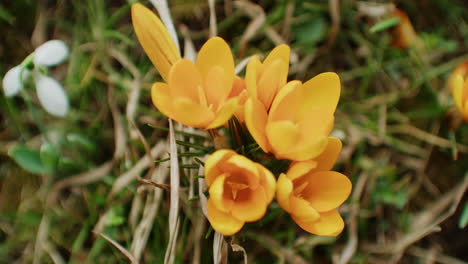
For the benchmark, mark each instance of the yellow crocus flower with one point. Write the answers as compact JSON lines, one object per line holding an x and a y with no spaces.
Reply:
{"x":240,"y":190}
{"x":301,"y":116}
{"x":310,"y":192}
{"x":196,"y":94}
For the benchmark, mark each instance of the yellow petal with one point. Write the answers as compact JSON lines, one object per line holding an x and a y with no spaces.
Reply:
{"x":313,"y":136}
{"x":326,"y":190}
{"x":214,"y":164}
{"x":238,"y":87}
{"x":465,"y":92}
{"x":225,"y":113}
{"x":222,"y":222}
{"x":281,"y":52}
{"x":239,"y":90}
{"x":154,"y":39}
{"x":326,"y":160}
{"x":306,"y":151}
{"x":321,"y":92}
{"x":216,"y":52}
{"x":215,"y":89}
{"x":282,"y":136}
{"x":302,"y":210}
{"x":286,"y":102}
{"x":457,"y":91}
{"x":272,"y":79}
{"x":185,"y":82}
{"x":251,"y":205}
{"x":256,"y":120}
{"x":192,"y":114}
{"x":465,"y":112}
{"x":404,"y":34}
{"x":267,"y":181}
{"x":162,"y":99}
{"x":329,"y":224}
{"x":251,"y":73}
{"x":299,"y":169}
{"x":217,"y":194}
{"x":284,"y":191}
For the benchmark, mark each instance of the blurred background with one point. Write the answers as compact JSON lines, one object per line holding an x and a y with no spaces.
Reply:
{"x":69,"y":188}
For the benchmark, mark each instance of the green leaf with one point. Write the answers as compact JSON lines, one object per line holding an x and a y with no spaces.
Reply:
{"x":309,"y":34}
{"x":82,"y":141}
{"x":49,"y":156}
{"x":384,"y":25}
{"x":6,"y":16}
{"x":28,"y":159}
{"x":463,"y":221}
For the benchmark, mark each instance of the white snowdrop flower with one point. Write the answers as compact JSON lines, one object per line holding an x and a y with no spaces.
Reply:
{"x":50,"y":92}
{"x":11,"y":81}
{"x":51,"y":95}
{"x":51,"y":53}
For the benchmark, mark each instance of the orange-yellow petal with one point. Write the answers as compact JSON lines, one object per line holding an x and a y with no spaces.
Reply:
{"x":256,"y":120}
{"x":161,"y":98}
{"x":268,"y":181}
{"x":251,"y":205}
{"x":216,"y":93}
{"x":251,"y":74}
{"x":329,"y":224}
{"x":457,"y":91}
{"x":185,"y":82}
{"x":240,"y":166}
{"x":326,"y":160}
{"x":216,"y":52}
{"x":326,"y":190}
{"x":465,"y":112}
{"x":272,"y":79}
{"x":281,"y":52}
{"x":222,"y":222}
{"x":302,"y":210}
{"x":286,"y":102}
{"x":320,"y":93}
{"x":282,"y":136}
{"x":299,"y":169}
{"x":311,"y":146}
{"x":155,"y":39}
{"x":192,"y":114}
{"x":284,"y":191}
{"x":313,"y":136}
{"x":217,"y":194}
{"x":225,"y":113}
{"x":214,"y":164}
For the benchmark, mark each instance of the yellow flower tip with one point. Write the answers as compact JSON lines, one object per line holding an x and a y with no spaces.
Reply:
{"x":404,"y":34}
{"x":459,"y":84}
{"x":311,"y":196}
{"x":240,"y":190}
{"x":155,"y":39}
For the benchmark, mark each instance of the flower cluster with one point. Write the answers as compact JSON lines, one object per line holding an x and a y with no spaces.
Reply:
{"x":288,"y":120}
